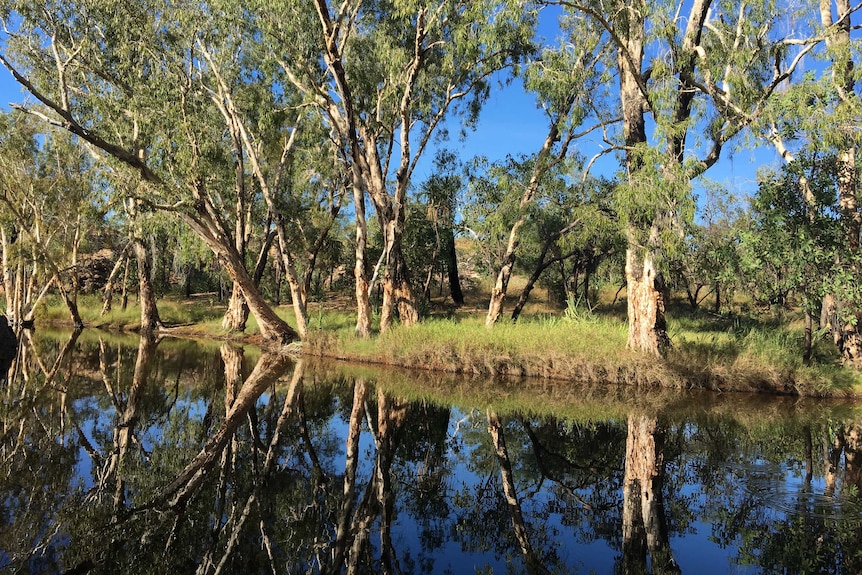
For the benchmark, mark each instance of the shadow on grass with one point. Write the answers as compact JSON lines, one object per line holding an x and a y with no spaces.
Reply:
{"x":755,"y":353}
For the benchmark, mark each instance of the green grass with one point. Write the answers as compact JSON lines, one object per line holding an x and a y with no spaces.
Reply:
{"x":712,"y":352}
{"x":173,"y":311}
{"x":752,"y":353}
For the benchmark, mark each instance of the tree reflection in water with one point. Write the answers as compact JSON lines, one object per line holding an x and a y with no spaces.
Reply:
{"x":136,"y":455}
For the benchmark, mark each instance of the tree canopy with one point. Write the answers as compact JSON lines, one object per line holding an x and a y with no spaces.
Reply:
{"x":265,"y":128}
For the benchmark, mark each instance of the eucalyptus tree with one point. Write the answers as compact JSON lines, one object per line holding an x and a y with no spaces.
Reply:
{"x":692,"y":76}
{"x":123,"y":78}
{"x":313,"y":210}
{"x":569,"y":81}
{"x":821,"y":116}
{"x":51,"y":210}
{"x":492,"y":206}
{"x":794,"y":244}
{"x":294,"y":162}
{"x":844,"y":305}
{"x":710,"y":260}
{"x":390,"y":74}
{"x":574,"y":222}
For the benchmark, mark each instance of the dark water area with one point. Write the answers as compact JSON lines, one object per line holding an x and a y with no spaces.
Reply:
{"x":126,"y":455}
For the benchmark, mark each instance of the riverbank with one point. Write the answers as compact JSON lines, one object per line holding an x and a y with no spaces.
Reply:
{"x":594,"y":352}
{"x":719,"y":353}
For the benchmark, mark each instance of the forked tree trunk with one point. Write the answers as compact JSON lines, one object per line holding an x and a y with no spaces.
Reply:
{"x":544,"y":162}
{"x":273,"y":329}
{"x":71,"y":304}
{"x":150,"y":320}
{"x":270,"y":367}
{"x":236,"y":316}
{"x":541,"y":266}
{"x":510,"y":492}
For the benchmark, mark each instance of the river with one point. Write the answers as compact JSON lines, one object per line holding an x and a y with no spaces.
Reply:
{"x":126,"y":455}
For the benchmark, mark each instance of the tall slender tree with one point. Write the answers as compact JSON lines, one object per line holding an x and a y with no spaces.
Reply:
{"x":569,"y":83}
{"x":391,"y":73}
{"x":48,"y":190}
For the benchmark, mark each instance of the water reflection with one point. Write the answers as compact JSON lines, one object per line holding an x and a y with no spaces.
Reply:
{"x":152,"y":456}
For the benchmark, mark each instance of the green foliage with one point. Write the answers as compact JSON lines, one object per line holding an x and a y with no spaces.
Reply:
{"x":794,"y":243}
{"x":710,"y":259}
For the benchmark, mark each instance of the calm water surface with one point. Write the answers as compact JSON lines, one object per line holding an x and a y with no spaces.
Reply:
{"x":123,"y":455}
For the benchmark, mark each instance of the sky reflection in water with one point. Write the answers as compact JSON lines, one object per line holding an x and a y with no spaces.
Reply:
{"x":165,"y":457}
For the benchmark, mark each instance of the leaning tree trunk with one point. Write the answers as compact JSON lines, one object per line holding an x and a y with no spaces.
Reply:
{"x":544,"y":162}
{"x":236,"y":316}
{"x":541,"y":266}
{"x":150,"y":320}
{"x":510,"y":493}
{"x":501,"y":285}
{"x":273,"y":329}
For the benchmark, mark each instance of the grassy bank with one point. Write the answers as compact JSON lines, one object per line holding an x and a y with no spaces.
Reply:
{"x":751,"y":353}
{"x":709,"y":353}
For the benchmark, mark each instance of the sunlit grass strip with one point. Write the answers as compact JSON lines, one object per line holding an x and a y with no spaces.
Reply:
{"x":549,"y":348}
{"x":173,"y":311}
{"x":710,"y":352}
{"x":755,"y":358}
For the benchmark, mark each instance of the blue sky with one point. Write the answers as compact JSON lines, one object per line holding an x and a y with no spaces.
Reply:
{"x":511,"y":124}
{"x":10,"y":91}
